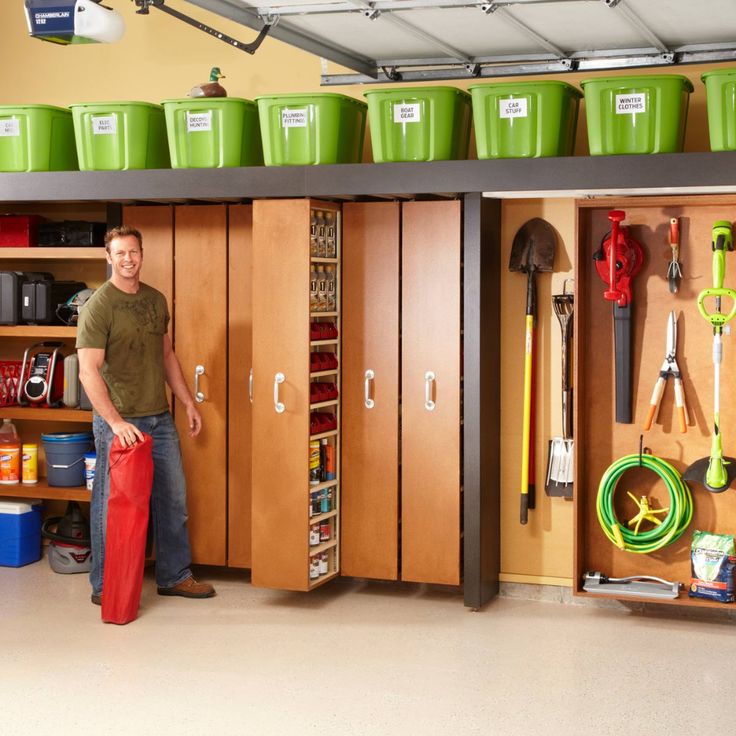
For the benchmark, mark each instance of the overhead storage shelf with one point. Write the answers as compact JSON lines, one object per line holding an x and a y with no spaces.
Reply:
{"x":573,"y":176}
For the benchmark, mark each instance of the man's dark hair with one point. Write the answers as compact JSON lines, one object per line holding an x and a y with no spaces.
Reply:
{"x":122,"y":231}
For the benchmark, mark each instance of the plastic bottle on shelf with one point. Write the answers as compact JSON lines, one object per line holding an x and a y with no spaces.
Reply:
{"x":330,"y":239}
{"x":331,"y":279}
{"x":9,"y":453}
{"x":321,"y":291}
{"x":313,"y":293}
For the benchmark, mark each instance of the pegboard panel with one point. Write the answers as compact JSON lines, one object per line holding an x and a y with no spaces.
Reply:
{"x":599,"y":440}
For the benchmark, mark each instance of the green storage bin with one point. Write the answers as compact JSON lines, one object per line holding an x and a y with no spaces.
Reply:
{"x":305,"y":129}
{"x":720,"y":92}
{"x":645,"y":114}
{"x":213,"y":132}
{"x":36,"y":138}
{"x":525,"y":119}
{"x":113,"y":136}
{"x":419,"y":123}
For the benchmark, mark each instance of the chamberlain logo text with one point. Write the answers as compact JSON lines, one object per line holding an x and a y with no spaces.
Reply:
{"x":41,"y":18}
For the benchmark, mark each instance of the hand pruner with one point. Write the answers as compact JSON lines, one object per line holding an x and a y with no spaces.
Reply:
{"x":669,"y":368}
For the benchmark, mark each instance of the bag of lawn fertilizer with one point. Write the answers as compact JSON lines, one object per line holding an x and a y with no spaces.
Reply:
{"x":713,"y":559}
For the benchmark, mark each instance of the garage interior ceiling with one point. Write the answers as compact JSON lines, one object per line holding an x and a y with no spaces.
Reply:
{"x":423,"y":40}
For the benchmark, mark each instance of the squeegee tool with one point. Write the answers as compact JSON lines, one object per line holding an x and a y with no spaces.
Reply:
{"x":634,"y":586}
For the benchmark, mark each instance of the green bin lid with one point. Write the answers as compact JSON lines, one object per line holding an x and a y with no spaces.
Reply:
{"x":719,"y":73}
{"x":510,"y":86}
{"x":210,"y":100}
{"x":4,"y":109}
{"x":641,"y":79}
{"x":105,"y":105}
{"x":409,"y":91}
{"x":316,"y":96}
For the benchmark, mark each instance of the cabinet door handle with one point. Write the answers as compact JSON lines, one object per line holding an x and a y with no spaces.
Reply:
{"x":278,"y":379}
{"x":250,"y":385}
{"x":429,"y":378}
{"x":198,"y":395}
{"x":369,"y":376}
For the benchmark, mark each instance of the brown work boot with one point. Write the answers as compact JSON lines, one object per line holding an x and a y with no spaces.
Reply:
{"x":189,"y":588}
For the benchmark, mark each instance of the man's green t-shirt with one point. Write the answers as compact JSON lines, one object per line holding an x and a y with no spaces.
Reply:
{"x":130,"y":328}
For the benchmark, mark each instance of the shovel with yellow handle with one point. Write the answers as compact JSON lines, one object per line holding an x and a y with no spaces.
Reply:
{"x":532,"y":252}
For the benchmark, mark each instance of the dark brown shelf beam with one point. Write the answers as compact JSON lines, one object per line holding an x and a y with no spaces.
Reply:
{"x":571,"y":176}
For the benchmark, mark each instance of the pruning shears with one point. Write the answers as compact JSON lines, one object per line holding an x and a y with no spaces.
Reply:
{"x":669,"y":368}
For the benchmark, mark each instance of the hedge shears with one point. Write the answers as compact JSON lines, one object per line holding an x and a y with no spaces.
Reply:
{"x":669,"y":368}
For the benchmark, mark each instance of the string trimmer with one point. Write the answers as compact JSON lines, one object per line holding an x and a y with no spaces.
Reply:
{"x":716,"y":472}
{"x":619,"y":259}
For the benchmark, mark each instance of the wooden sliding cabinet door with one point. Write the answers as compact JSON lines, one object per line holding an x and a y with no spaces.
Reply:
{"x":281,"y":280}
{"x":240,"y":245}
{"x":370,"y":398}
{"x":200,"y":341}
{"x":430,"y":392}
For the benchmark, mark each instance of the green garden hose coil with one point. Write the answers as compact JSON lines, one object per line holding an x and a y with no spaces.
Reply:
{"x":665,"y":531}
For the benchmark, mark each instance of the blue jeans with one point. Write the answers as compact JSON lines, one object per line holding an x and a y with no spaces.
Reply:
{"x":168,"y":501}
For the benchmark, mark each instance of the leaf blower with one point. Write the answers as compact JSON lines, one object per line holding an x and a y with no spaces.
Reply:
{"x":618,"y":260}
{"x":69,"y":550}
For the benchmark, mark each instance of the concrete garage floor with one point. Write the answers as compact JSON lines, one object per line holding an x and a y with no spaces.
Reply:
{"x":351,"y":658}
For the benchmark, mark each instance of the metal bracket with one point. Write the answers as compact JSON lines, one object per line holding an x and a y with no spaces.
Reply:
{"x":472,"y":69}
{"x":489,"y":8}
{"x":391,"y":74}
{"x":371,"y":12}
{"x":610,"y":3}
{"x":249,"y":48}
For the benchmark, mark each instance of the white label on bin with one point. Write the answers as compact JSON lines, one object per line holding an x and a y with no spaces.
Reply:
{"x":293,"y":118}
{"x":197,"y":121}
{"x":631,"y":104}
{"x":511,"y":108}
{"x":408,"y":113}
{"x":105,"y":125}
{"x":10,"y":128}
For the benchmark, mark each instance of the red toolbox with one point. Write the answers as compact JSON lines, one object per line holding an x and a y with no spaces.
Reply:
{"x":19,"y":231}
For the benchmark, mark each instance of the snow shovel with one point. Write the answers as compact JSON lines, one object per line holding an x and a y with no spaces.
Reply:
{"x":533,"y":250}
{"x":716,"y":472}
{"x":560,"y":463}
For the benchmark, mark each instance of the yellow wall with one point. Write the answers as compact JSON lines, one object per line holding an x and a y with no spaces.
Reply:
{"x":160,"y":58}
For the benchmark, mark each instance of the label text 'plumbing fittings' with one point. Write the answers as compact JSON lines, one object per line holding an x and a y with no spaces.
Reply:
{"x":293,"y":118}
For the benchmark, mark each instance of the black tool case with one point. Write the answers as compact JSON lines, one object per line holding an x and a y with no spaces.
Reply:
{"x":72,"y":232}
{"x":11,"y":284}
{"x":41,"y":298}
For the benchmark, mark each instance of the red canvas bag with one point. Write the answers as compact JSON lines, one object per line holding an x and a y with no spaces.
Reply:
{"x":131,"y":479}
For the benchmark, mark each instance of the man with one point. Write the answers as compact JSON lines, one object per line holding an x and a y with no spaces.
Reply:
{"x":125,"y":359}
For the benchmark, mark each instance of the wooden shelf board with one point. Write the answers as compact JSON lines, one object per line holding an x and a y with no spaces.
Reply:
{"x":323,"y":314}
{"x":323,"y":404}
{"x":320,"y":259}
{"x":683,"y":600}
{"x":322,"y":517}
{"x":331,"y":433}
{"x":322,"y":579}
{"x":44,"y":415}
{"x":46,"y":492}
{"x":38,"y":331}
{"x":322,"y":486}
{"x":318,"y":549}
{"x":54,"y":254}
{"x":318,"y":374}
{"x":317,"y":343}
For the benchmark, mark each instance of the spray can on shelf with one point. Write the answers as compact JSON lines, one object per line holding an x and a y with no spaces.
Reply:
{"x":314,"y":535}
{"x":330,"y":472}
{"x":29,"y":462}
{"x":323,"y":563}
{"x":315,"y":466}
{"x":314,"y":567}
{"x":324,"y":531}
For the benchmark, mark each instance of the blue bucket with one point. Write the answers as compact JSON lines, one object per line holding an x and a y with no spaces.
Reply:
{"x":65,"y":457}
